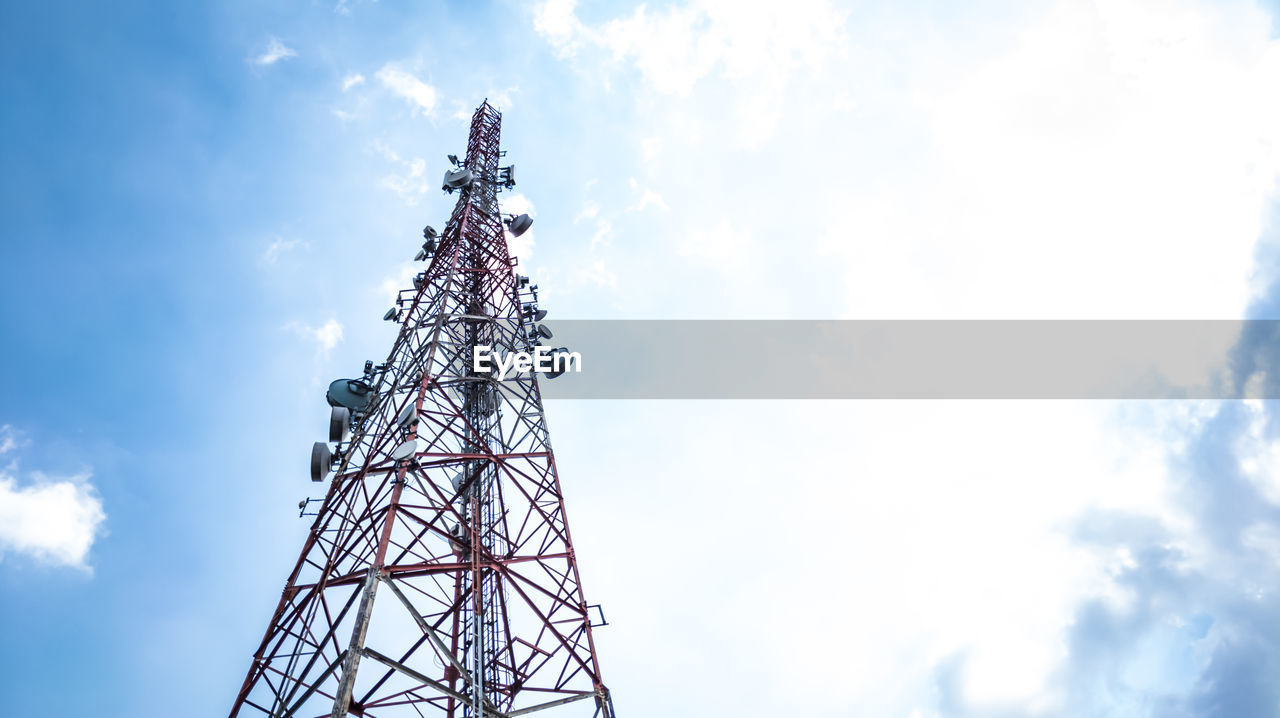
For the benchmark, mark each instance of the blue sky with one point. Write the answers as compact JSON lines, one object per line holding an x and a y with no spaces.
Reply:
{"x":206,"y":210}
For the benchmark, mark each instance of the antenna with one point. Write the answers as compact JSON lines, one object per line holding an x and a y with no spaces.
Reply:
{"x":519,"y":224}
{"x":559,"y":362}
{"x":353,"y":394}
{"x":321,"y":461}
{"x":339,"y":423}
{"x":405,"y":450}
{"x":407,"y":416}
{"x":438,"y":576}
{"x":457,"y":179}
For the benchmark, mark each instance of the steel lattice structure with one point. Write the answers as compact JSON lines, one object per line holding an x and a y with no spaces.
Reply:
{"x":444,"y":581}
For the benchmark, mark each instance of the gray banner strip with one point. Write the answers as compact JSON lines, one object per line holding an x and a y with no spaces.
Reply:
{"x":918,"y":359}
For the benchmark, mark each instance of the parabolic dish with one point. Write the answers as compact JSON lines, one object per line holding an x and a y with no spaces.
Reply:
{"x":339,"y":422}
{"x":351,"y":393}
{"x":457,"y":179}
{"x":557,"y":368}
{"x":405,"y":450}
{"x":408,"y":415}
{"x":521,"y":224}
{"x":321,"y":459}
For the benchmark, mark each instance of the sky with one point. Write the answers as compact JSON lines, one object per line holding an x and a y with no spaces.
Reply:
{"x":207,"y":209}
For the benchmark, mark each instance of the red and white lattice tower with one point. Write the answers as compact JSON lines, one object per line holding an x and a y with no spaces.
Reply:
{"x":439,"y":576}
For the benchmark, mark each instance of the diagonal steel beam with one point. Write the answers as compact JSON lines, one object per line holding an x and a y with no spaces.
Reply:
{"x":415,"y":675}
{"x":549,"y":704}
{"x":431,"y":632}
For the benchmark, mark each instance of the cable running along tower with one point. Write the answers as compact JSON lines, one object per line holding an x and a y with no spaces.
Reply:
{"x":439,"y":576}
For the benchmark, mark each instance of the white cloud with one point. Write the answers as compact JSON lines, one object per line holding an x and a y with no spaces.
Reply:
{"x":411,"y":182}
{"x":8,"y":439}
{"x":1259,"y":454}
{"x":275,"y":52}
{"x":757,"y":47}
{"x":402,"y":279}
{"x":517,"y":203}
{"x":343,"y":7}
{"x":51,"y":520}
{"x":1069,"y":161}
{"x":595,"y":272}
{"x":603,"y":236}
{"x":279,"y":246}
{"x":929,"y":541}
{"x":355,"y":79}
{"x":461,"y":112}
{"x":501,"y":99}
{"x":1126,"y":149}
{"x":648,"y":198}
{"x":650,"y":148}
{"x":722,"y":246}
{"x":421,"y":96}
{"x":326,"y":336}
{"x":963,"y":178}
{"x":589,"y":211}
{"x":556,"y":21}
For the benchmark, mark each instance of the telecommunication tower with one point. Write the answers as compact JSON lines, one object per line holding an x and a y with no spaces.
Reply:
{"x":439,"y":575}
